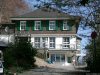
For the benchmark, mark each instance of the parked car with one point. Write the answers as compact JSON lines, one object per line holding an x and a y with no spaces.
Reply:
{"x":1,"y":68}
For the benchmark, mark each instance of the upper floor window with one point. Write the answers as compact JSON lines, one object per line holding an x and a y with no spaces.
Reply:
{"x":65,"y":25}
{"x":52,"y":25}
{"x":52,"y":42}
{"x":41,"y":42}
{"x":37,"y":25}
{"x":65,"y":42}
{"x":37,"y":42}
{"x":22,"y":25}
{"x":44,"y":42}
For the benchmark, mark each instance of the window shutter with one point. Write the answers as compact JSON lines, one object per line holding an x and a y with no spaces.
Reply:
{"x":42,"y":23}
{"x":70,"y":25}
{"x":56,"y":25}
{"x":61,"y":24}
{"x":70,"y":28}
{"x":27,"y":26}
{"x":47,"y":25}
{"x":18,"y":26}
{"x":33,"y":25}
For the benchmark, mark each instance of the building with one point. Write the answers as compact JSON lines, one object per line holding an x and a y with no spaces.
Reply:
{"x":51,"y":31}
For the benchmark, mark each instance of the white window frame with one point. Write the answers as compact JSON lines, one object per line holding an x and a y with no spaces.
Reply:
{"x":65,"y":44}
{"x":65,"y":25}
{"x":44,"y":42}
{"x":37,"y":42}
{"x":52,"y":42}
{"x":60,"y":57}
{"x":52,"y":25}
{"x":22,"y":25}
{"x":37,"y":25}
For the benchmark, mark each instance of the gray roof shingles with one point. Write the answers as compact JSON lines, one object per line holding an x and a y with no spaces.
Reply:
{"x":45,"y":13}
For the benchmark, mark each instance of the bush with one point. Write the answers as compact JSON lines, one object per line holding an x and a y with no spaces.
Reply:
{"x":20,"y":54}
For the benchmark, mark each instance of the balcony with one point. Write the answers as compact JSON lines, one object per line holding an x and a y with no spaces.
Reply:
{"x":56,"y":47}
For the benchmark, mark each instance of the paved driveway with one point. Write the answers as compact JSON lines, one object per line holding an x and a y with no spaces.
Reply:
{"x":52,"y":69}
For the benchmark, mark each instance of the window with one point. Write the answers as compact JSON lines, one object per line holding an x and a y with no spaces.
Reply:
{"x":37,"y":25}
{"x":57,"y":57}
{"x":44,"y":42}
{"x":69,"y":59}
{"x":65,"y":25}
{"x":22,"y":25}
{"x":65,"y":42}
{"x":37,"y":42}
{"x":52,"y":25}
{"x":41,"y":42}
{"x":62,"y":57}
{"x":52,"y":42}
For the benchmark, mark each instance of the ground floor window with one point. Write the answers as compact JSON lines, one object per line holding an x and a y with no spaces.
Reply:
{"x":57,"y":57}
{"x":69,"y":59}
{"x":62,"y":57}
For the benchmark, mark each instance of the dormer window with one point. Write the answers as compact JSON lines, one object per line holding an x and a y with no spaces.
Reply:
{"x":52,"y":25}
{"x":22,"y":25}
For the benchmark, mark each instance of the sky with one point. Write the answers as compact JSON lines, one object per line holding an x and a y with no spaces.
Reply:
{"x":79,"y":11}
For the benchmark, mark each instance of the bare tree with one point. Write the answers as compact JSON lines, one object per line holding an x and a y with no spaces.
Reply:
{"x":9,"y":8}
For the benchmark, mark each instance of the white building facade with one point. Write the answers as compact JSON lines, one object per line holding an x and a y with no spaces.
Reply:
{"x":51,"y":32}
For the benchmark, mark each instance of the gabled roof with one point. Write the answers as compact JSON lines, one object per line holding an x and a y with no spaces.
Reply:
{"x":45,"y":13}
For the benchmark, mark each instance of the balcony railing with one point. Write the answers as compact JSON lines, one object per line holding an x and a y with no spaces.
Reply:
{"x":57,"y":46}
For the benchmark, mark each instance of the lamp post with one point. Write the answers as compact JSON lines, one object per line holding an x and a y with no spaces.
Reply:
{"x":93,"y":36}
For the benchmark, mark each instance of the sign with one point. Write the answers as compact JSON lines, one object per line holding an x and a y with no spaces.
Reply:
{"x":93,"y":35}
